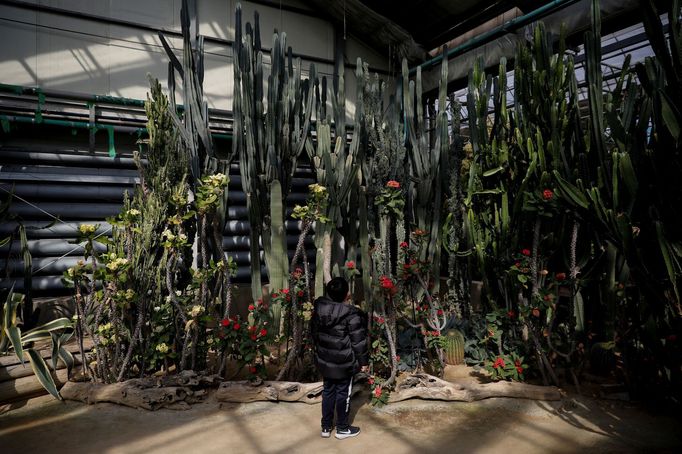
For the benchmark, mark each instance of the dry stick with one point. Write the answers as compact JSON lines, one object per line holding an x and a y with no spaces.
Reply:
{"x":79,"y":326}
{"x":293,"y":352}
{"x":133,"y":341}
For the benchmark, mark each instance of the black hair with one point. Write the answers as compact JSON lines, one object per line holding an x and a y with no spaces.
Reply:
{"x":337,"y":289}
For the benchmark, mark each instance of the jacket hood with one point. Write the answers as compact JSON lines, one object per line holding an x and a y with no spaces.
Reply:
{"x":329,"y":312}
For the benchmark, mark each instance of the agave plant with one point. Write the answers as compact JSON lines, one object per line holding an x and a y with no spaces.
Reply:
{"x":13,"y":340}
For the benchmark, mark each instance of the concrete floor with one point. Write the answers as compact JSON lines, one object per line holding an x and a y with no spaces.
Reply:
{"x":495,"y":425}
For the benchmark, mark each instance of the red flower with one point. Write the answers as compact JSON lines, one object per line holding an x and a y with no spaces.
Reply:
{"x":299,"y":293}
{"x":252,"y":329}
{"x":225,"y":322}
{"x":377,"y":392}
{"x":386,"y":283}
{"x":275,"y":295}
{"x":519,"y":369}
{"x":548,"y":297}
{"x":419,"y":232}
{"x":236,"y":326}
{"x":671,"y":338}
{"x":393,"y":184}
{"x":397,"y":358}
{"x":285,"y":291}
{"x":370,"y":380}
{"x":560,"y":276}
{"x":517,"y":363}
{"x":499,"y":362}
{"x":253,"y":369}
{"x":517,"y":264}
{"x":547,"y":194}
{"x":439,"y":312}
{"x":350,"y":265}
{"x":511,"y":314}
{"x":251,"y":307}
{"x":535,"y":312}
{"x":404,"y":245}
{"x":380,"y":320}
{"x":253,"y":337}
{"x":263,"y":332}
{"x":526,"y":252}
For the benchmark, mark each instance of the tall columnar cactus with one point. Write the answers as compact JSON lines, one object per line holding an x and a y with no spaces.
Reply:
{"x":453,"y":347}
{"x":425,"y":170}
{"x":269,"y":136}
{"x":337,"y":169}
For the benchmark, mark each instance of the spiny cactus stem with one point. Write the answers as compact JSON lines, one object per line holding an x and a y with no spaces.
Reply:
{"x":535,"y":291}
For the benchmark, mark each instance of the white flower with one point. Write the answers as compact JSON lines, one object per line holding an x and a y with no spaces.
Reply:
{"x":178,"y":293}
{"x":133,"y":212}
{"x":158,"y":308}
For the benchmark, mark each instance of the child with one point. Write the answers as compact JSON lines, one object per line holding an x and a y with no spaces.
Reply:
{"x":340,"y":338}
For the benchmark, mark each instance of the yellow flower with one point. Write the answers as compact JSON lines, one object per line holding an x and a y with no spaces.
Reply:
{"x":196,"y":311}
{"x":133,"y":212}
{"x":87,"y":228}
{"x":162,"y":348}
{"x":317,"y":188}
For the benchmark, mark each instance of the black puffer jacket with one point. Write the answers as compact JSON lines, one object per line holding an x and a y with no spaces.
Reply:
{"x":340,"y":336}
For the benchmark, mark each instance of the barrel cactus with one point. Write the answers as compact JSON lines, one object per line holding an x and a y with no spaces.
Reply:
{"x":453,"y":347}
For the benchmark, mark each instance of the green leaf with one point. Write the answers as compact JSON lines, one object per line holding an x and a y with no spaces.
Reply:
{"x":60,"y":323}
{"x":14,"y":335}
{"x":492,"y":172}
{"x":570,"y":192}
{"x":35,"y":336}
{"x":43,"y":373}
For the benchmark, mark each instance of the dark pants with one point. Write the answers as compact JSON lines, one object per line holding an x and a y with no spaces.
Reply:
{"x":336,"y":395}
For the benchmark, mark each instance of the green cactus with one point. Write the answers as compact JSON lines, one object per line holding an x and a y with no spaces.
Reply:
{"x":453,"y":347}
{"x":336,"y":169}
{"x":268,"y":141}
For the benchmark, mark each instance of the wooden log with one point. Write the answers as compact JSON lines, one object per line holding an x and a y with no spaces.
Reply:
{"x":131,"y":393}
{"x":45,"y":349}
{"x":424,"y":386}
{"x":25,"y":387}
{"x":16,"y":371}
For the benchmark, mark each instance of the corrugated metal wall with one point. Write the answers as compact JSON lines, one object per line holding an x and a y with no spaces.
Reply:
{"x":57,"y":189}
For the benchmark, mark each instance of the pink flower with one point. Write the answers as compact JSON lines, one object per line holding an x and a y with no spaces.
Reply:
{"x":377,"y":392}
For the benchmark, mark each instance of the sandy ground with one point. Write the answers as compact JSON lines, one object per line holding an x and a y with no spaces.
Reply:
{"x":44,"y":425}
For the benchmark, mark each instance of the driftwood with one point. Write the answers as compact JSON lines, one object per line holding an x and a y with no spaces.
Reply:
{"x":245,"y":391}
{"x":179,"y":391}
{"x":172,"y":391}
{"x":424,"y":386}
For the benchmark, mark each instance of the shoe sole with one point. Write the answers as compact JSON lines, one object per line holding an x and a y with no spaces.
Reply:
{"x":342,"y":436}
{"x":326,"y":435}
